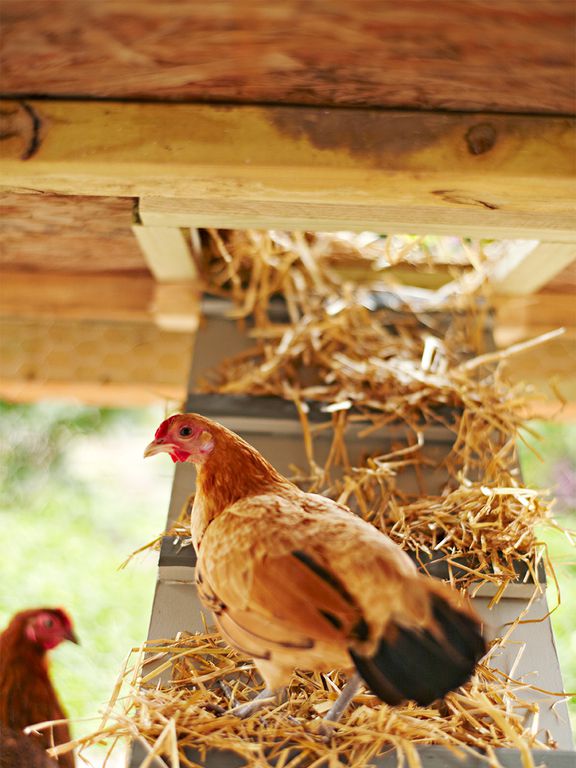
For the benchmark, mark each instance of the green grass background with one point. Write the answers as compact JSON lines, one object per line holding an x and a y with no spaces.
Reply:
{"x":555,"y":469}
{"x":76,"y":498}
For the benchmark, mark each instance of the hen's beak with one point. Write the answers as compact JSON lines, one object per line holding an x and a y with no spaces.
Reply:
{"x":72,"y":637}
{"x":155,"y":447}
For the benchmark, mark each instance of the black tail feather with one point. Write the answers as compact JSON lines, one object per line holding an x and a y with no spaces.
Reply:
{"x":418,"y":665}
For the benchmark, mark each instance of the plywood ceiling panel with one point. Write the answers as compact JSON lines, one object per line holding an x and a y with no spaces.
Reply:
{"x":477,"y":55}
{"x":68,"y":234}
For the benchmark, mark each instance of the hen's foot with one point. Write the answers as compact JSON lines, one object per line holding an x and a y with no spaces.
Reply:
{"x":265,"y":697}
{"x":340,"y":706}
{"x":227,"y":691}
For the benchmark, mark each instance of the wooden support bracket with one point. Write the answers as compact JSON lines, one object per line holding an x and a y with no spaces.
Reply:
{"x":176,"y":305}
{"x":525,"y":266}
{"x":167,"y":253}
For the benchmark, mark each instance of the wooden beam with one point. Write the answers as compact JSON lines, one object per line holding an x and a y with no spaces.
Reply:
{"x":550,"y":368}
{"x":550,"y":371}
{"x":526,"y":266}
{"x":503,"y":56}
{"x":100,"y":392}
{"x":134,"y":298}
{"x":68,"y":234}
{"x":564,"y":282}
{"x":51,"y":295}
{"x":305,"y":167}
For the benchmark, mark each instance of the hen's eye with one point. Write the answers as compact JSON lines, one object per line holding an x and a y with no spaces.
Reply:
{"x":185,"y":431}
{"x":48,"y":623}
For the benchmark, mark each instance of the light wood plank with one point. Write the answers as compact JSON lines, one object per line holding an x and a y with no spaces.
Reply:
{"x":134,"y":298}
{"x":564,"y":282}
{"x":398,"y":217}
{"x":52,"y":295}
{"x":526,"y":266}
{"x":382,"y":170}
{"x":176,"y":305}
{"x":550,"y":369}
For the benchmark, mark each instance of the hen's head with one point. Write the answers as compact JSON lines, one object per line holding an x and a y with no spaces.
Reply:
{"x":186,"y":437}
{"x":46,"y":627}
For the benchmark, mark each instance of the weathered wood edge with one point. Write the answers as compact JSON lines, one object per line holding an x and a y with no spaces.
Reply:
{"x":400,"y":217}
{"x":430,"y":756}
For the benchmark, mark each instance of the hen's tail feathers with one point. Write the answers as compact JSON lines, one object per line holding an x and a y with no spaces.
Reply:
{"x":422,"y":666}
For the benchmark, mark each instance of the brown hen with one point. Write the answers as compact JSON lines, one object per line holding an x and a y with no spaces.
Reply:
{"x":17,"y":750}
{"x":27,"y":695}
{"x":296,"y":580}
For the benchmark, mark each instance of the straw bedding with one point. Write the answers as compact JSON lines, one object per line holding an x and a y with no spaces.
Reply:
{"x":186,"y":719}
{"x":371,"y":366}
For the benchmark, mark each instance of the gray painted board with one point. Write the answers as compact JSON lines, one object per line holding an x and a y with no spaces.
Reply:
{"x":430,"y":756}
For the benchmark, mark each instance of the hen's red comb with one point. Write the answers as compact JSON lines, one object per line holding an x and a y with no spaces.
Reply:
{"x":165,"y":426}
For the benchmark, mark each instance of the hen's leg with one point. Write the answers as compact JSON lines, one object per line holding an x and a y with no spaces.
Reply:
{"x":266,"y":696}
{"x":346,"y":695}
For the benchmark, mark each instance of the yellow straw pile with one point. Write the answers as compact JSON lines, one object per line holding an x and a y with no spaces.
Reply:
{"x":369,"y":368}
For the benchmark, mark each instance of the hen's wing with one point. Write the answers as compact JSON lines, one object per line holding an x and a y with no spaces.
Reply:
{"x":299,"y":569}
{"x":297,"y":580}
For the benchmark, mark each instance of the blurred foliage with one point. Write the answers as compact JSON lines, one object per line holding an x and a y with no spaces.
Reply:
{"x":37,"y":439}
{"x":550,"y":463}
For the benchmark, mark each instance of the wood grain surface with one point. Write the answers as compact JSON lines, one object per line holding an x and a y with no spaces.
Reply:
{"x":499,"y":166}
{"x":41,"y":233}
{"x":477,"y":55}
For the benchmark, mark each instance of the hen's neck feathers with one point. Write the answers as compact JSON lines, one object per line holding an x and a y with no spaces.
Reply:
{"x":234,"y":471}
{"x":23,"y":668}
{"x":15,"y":647}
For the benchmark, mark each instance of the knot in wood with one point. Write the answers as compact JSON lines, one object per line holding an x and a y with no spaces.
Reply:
{"x":480,"y":138}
